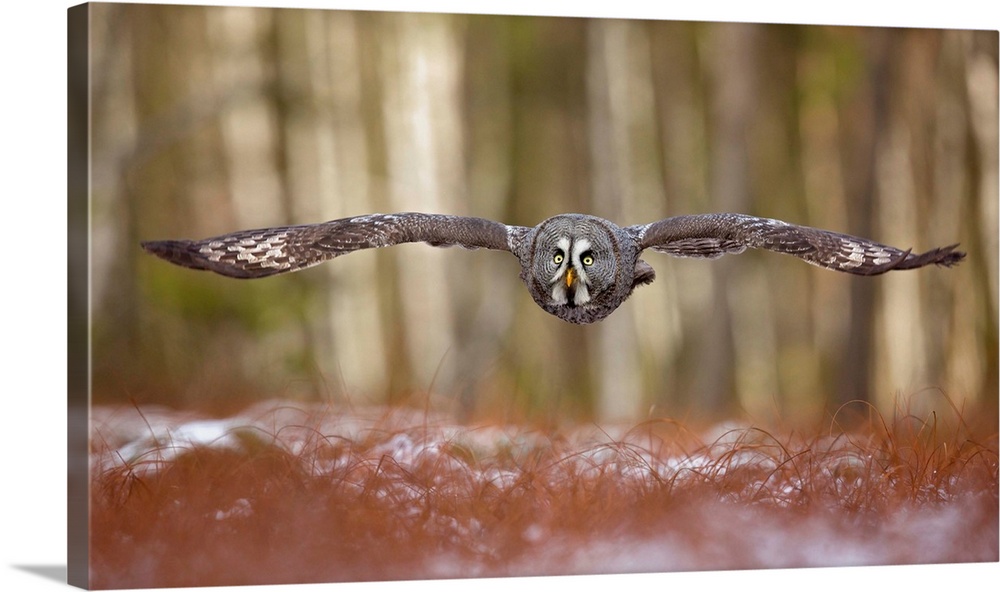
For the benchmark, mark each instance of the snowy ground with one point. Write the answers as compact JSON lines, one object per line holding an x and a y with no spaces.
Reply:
{"x":446,"y":500}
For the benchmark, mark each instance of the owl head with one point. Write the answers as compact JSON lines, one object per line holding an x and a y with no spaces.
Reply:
{"x":583,"y":267}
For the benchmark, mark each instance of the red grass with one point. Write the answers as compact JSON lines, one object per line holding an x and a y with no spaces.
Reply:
{"x":315,"y":496}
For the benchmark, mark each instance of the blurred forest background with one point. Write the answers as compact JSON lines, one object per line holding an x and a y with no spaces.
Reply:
{"x":207,"y":120}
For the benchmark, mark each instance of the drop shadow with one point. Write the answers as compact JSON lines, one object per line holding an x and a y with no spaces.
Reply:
{"x":55,"y":573}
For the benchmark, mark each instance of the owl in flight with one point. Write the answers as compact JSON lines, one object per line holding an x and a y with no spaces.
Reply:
{"x":578,"y":267}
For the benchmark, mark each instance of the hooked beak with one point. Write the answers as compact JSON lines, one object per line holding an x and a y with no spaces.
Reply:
{"x":575,"y":292}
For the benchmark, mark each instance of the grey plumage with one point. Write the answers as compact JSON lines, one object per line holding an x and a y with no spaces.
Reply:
{"x":577,"y":267}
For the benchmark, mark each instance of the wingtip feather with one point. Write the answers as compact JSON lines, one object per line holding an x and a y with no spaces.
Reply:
{"x":177,"y":252}
{"x":950,"y":257}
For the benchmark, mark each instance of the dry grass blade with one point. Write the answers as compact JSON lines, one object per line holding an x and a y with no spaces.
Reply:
{"x":308,"y":495}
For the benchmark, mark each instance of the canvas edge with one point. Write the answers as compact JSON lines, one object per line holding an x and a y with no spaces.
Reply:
{"x":78,"y":296}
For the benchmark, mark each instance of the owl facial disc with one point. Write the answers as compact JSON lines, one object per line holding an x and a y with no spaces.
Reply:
{"x":569,"y":284}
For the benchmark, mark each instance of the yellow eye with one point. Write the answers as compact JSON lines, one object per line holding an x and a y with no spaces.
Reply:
{"x":587,"y":259}
{"x":557,"y":258}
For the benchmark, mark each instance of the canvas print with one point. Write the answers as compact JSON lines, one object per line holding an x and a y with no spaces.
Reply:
{"x":370,"y":296}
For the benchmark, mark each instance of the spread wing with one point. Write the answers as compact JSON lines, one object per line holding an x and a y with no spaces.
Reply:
{"x":269,"y":251}
{"x":714,"y":235}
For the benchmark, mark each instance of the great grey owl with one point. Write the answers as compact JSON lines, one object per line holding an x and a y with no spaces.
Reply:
{"x":578,"y":267}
